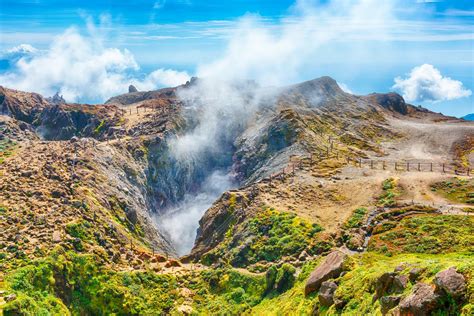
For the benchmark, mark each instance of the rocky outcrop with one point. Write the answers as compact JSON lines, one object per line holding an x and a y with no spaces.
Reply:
{"x":132,"y":89}
{"x":326,"y":293}
{"x":330,"y":268}
{"x":390,"y":101}
{"x":421,"y":302}
{"x":451,"y":282}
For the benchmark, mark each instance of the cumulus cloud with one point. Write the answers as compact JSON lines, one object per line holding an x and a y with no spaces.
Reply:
{"x":81,"y":68}
{"x":426,"y":83}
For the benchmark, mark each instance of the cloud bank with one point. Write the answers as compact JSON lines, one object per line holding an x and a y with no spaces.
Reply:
{"x":81,"y":68}
{"x":425,"y":83}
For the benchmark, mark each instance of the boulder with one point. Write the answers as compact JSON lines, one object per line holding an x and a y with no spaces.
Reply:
{"x":330,"y":268}
{"x":414,"y":274}
{"x":383,"y":284}
{"x":388,"y":302}
{"x":56,"y":236}
{"x":451,"y":282}
{"x":400,"y":282}
{"x":326,"y":293}
{"x":420,"y":302}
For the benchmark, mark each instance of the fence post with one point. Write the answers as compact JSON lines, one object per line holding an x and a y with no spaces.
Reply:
{"x":371,"y":164}
{"x":431,"y":167}
{"x":419,"y":167}
{"x":468,"y":172}
{"x":408,"y":166}
{"x":443,"y":168}
{"x":360,"y":162}
{"x":395,"y":166}
{"x":383,"y":165}
{"x":130,"y":111}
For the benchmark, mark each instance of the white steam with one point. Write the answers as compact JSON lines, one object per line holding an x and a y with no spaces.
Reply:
{"x":182,"y":221}
{"x":222,"y":103}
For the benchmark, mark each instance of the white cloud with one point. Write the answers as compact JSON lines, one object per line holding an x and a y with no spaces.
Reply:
{"x":23,"y":49}
{"x":81,"y":69}
{"x":159,"y":4}
{"x":426,"y":83}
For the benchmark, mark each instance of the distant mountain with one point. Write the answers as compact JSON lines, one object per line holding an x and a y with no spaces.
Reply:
{"x":469,"y":117}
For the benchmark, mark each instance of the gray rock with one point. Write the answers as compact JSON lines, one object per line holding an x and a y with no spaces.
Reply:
{"x":400,"y":282}
{"x":131,"y":89}
{"x":10,"y":297}
{"x":383,"y":285}
{"x":420,"y":302}
{"x":330,"y":268}
{"x":414,"y":274}
{"x":326,"y":293}
{"x":451,"y":282}
{"x":388,"y":302}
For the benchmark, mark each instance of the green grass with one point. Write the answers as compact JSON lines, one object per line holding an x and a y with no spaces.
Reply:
{"x":268,"y":237}
{"x":390,"y":191}
{"x":425,"y":234}
{"x":7,"y":147}
{"x":357,"y":218}
{"x":456,"y":189}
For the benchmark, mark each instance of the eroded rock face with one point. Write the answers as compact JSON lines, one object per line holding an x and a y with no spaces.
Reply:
{"x":330,"y":268}
{"x":452,"y":282}
{"x":421,"y":302}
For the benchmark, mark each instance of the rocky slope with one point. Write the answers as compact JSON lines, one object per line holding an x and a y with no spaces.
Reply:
{"x":318,"y":188}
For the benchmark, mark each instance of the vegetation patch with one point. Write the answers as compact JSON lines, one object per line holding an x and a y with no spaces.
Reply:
{"x":456,"y":189}
{"x":7,"y":146}
{"x":357,"y":218}
{"x":390,"y":191}
{"x":268,"y":237}
{"x":425,"y":234}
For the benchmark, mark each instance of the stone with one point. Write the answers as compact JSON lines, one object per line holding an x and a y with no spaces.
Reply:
{"x":451,"y":282}
{"x":330,"y":268}
{"x":383,"y":285}
{"x":400,"y":282}
{"x":56,"y":236}
{"x":414,"y":274}
{"x":388,"y":302}
{"x":10,"y":297}
{"x":326,"y":293}
{"x":172,"y":263}
{"x":420,"y":302}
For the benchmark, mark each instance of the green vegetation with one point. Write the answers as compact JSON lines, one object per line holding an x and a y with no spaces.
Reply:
{"x":357,"y":218}
{"x":268,"y":237}
{"x":81,"y":233}
{"x":390,"y":192}
{"x":357,"y":287}
{"x":425,"y":234}
{"x":456,"y":189}
{"x":68,"y":283}
{"x":7,"y":147}
{"x":99,"y":127}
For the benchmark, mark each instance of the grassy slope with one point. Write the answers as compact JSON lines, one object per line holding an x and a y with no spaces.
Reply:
{"x":67,"y":282}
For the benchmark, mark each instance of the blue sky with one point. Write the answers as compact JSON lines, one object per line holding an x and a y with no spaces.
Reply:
{"x":182,"y":37}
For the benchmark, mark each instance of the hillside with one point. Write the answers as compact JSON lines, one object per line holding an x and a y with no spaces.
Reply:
{"x":306,"y":200}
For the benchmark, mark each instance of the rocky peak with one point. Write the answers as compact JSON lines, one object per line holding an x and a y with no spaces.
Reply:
{"x":56,"y":99}
{"x":390,"y":101}
{"x":132,"y":89}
